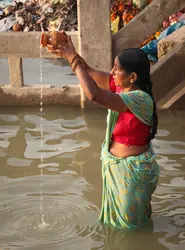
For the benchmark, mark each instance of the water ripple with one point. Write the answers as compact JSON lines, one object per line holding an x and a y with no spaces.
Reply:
{"x":59,"y":208}
{"x":66,"y":217}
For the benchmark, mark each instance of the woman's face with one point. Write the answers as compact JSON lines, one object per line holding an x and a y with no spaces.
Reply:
{"x":121,"y":77}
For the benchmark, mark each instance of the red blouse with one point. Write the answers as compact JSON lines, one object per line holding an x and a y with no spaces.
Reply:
{"x":129,"y":130}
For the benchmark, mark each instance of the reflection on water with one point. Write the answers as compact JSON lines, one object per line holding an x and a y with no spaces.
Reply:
{"x":71,"y":182}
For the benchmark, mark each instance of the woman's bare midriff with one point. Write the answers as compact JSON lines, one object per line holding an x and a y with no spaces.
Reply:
{"x":121,"y":150}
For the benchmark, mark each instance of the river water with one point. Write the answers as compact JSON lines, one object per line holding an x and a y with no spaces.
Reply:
{"x":70,"y":185}
{"x":53,"y":73}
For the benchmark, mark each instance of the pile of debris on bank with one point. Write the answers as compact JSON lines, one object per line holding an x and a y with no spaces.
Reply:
{"x":39,"y":15}
{"x":46,"y":15}
{"x":123,"y":11}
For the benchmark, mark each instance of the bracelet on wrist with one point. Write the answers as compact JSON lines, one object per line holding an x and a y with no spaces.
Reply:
{"x":76,"y":63}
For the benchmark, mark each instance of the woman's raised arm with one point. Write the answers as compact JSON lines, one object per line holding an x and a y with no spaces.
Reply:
{"x":101,"y":78}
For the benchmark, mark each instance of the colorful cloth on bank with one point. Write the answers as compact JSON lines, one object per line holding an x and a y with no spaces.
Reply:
{"x":128,"y":183}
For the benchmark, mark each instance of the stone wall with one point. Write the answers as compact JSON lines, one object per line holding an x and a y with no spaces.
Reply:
{"x":29,"y":95}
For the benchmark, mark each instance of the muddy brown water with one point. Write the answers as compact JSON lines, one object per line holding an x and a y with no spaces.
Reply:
{"x":55,"y":204}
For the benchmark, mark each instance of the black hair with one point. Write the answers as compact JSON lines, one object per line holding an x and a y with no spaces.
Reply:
{"x":136,"y":60}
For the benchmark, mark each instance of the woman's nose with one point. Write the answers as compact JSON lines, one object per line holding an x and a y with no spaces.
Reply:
{"x":112,"y":71}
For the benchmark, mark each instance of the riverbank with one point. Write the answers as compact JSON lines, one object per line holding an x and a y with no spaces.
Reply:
{"x":46,"y":15}
{"x":39,"y":15}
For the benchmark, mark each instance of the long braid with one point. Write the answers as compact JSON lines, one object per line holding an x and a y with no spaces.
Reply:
{"x":146,"y":86}
{"x":155,"y":117}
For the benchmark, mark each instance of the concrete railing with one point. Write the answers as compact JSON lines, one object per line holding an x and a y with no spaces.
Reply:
{"x":90,"y":42}
{"x":15,"y":46}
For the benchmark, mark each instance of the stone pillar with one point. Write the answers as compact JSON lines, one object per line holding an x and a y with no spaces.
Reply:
{"x":16,"y":72}
{"x":95,"y":38}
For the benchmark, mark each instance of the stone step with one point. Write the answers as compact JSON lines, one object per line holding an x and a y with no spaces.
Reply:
{"x":167,"y":44}
{"x":168,"y":77}
{"x":146,"y":23}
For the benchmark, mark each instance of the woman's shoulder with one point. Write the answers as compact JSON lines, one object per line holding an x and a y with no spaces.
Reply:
{"x":139,"y":95}
{"x":140,"y":103}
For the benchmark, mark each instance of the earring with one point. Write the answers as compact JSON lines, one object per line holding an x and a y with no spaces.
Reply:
{"x":131,"y":81}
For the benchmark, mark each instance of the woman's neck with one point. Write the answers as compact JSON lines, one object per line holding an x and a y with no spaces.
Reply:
{"x":124,"y":90}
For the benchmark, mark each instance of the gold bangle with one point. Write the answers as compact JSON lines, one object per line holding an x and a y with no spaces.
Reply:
{"x":73,"y":59}
{"x":78,"y":57}
{"x":75,"y":64}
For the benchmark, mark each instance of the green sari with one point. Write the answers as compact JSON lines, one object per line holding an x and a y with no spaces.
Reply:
{"x":128,"y":183}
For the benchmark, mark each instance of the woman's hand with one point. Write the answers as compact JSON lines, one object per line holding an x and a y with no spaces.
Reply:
{"x":65,"y":50}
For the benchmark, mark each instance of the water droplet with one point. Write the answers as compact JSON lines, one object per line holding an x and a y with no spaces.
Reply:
{"x":43,"y":224}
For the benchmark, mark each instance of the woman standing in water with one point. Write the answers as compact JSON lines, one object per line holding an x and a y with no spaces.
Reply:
{"x":129,"y":169}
